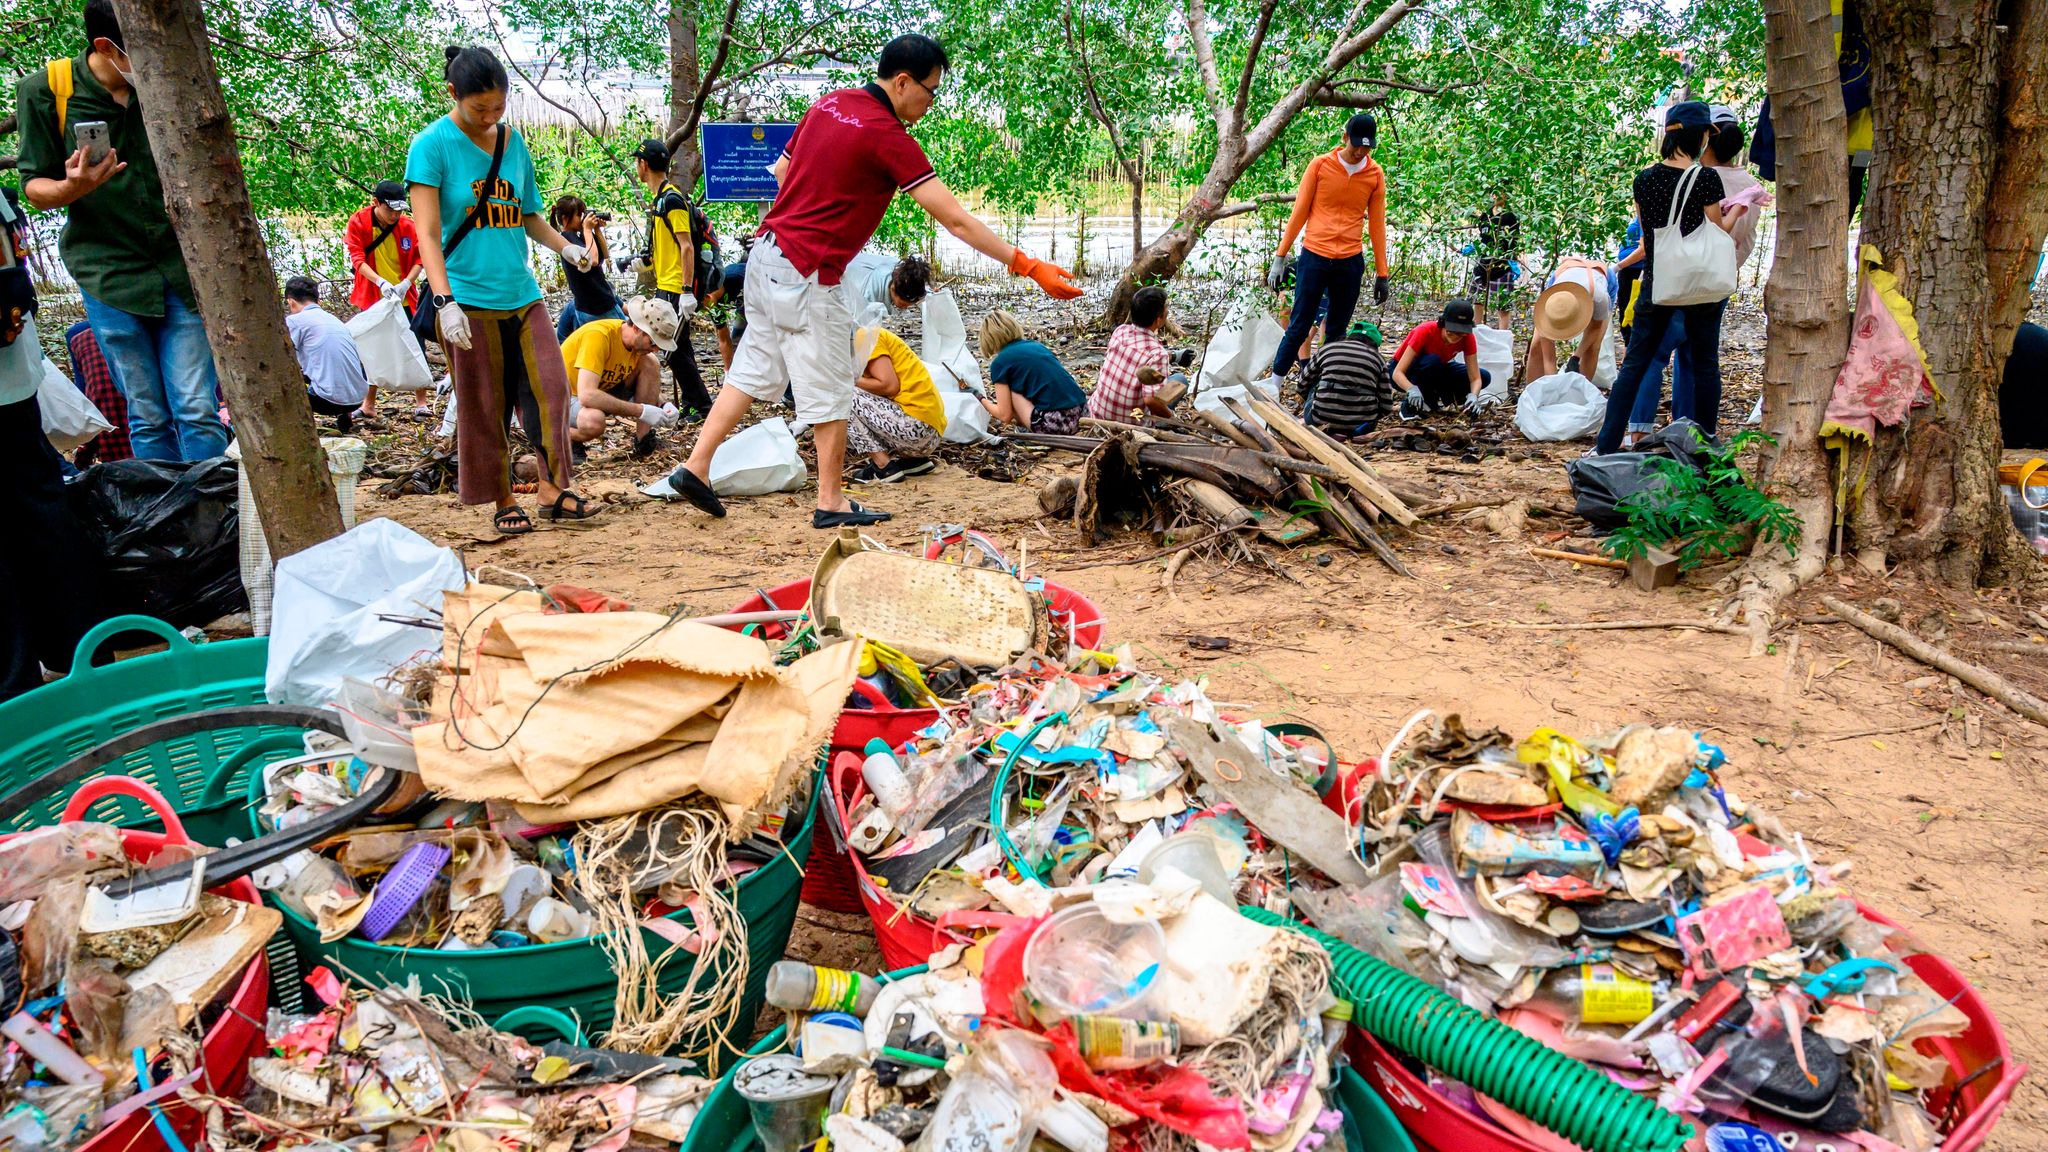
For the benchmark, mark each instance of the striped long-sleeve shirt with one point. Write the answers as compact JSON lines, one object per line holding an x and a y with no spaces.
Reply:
{"x":1350,"y":384}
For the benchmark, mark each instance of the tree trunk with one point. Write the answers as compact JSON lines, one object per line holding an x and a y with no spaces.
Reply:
{"x":686,"y":156}
{"x":237,"y":290}
{"x":1943,"y":81}
{"x":1807,"y":300}
{"x":1161,"y":259}
{"x":1137,"y":214}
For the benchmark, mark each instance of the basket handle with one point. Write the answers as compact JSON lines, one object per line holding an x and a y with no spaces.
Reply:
{"x":93,"y":791}
{"x":2027,"y":471}
{"x":873,"y":695}
{"x":541,"y":1016}
{"x":846,"y":794}
{"x":107,"y":629}
{"x":215,"y":790}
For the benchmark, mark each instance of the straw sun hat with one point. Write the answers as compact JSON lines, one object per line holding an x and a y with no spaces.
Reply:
{"x":1563,"y":310}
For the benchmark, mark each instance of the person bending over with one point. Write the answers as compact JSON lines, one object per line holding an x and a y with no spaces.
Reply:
{"x":897,"y":409}
{"x":1426,"y":369}
{"x":614,"y":372}
{"x":1029,"y":386}
{"x":335,"y":381}
{"x":1137,"y":365}
{"x":1348,"y":390}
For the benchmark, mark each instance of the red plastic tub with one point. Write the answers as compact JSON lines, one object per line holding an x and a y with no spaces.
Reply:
{"x":904,"y":938}
{"x":237,"y":1032}
{"x":829,"y":880}
{"x":1980,"y":1058}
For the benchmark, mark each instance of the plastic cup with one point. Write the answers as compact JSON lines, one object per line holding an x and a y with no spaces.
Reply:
{"x":1080,"y":963}
{"x":1198,"y":854}
{"x":787,"y":1103}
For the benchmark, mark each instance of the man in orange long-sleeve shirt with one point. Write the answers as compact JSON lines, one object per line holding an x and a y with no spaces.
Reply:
{"x":1342,"y":192}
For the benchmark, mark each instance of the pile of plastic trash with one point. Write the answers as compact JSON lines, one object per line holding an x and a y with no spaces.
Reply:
{"x":1614,"y":900}
{"x":102,"y":997}
{"x":399,"y":1065}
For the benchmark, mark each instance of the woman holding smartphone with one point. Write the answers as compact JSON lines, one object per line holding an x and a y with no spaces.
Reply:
{"x":476,"y":204}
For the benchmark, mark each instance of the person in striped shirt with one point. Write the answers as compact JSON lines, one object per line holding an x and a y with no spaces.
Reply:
{"x":1347,"y":387}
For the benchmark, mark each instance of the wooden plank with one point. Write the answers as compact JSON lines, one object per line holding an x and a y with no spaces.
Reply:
{"x":1219,"y":506}
{"x":202,"y":963}
{"x":1227,"y":430}
{"x":1292,"y":430}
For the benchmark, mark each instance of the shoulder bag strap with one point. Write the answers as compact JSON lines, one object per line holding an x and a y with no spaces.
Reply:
{"x":382,"y":235}
{"x":483,"y":201}
{"x":1679,"y":194}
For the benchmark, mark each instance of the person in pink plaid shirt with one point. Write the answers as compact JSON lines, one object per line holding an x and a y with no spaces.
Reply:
{"x":1133,"y":347}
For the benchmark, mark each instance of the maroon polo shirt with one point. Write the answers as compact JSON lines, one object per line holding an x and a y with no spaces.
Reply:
{"x":849,"y":157}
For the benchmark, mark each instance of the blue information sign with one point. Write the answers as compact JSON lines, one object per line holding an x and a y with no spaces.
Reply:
{"x":737,"y":158}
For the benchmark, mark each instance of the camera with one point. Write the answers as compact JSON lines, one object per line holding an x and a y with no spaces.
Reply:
{"x":601,"y":217}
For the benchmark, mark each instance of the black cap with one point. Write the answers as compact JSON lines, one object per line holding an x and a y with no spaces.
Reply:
{"x":392,"y":193}
{"x":1457,"y":318}
{"x":653,"y":151}
{"x":1362,"y":130}
{"x":1688,"y":114}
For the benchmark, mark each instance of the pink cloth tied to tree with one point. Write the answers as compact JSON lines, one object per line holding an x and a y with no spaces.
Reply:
{"x":1884,"y":374}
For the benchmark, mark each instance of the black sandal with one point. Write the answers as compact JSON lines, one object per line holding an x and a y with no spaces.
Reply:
{"x":565,"y":516}
{"x":512,"y":521}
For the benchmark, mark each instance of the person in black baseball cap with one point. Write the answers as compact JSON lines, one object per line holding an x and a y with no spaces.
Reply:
{"x":1343,"y":194}
{"x":1426,"y":366}
{"x":384,"y":257}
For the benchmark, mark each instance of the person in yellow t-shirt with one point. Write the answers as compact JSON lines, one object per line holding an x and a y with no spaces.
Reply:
{"x":612,"y":367}
{"x":896,"y":409}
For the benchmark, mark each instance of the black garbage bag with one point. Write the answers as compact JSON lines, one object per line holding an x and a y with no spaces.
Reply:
{"x":169,"y":534}
{"x":1601,"y":483}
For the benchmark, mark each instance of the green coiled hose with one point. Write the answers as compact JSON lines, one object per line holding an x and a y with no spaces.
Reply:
{"x":1547,"y":1086}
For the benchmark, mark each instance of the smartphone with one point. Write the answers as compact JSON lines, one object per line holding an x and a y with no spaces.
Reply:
{"x":92,"y":136}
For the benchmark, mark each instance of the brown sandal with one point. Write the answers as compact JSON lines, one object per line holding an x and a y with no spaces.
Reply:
{"x":512,"y":521}
{"x":564,"y":515}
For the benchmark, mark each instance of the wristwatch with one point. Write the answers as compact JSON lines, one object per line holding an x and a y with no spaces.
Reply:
{"x":439,"y":301}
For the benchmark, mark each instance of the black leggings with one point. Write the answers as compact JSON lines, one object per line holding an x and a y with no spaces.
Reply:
{"x":344,"y":414}
{"x":682,"y":366}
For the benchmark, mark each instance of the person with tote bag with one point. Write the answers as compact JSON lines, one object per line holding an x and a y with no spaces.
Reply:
{"x":1688,"y":272}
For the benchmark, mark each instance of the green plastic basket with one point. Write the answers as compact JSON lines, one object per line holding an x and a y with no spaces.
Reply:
{"x":201,"y":775}
{"x":723,"y":1124}
{"x":574,"y":977}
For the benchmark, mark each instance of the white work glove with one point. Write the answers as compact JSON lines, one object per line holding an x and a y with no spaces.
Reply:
{"x":976,"y":387}
{"x":1472,"y":404}
{"x":577,"y":256}
{"x":658,"y":416}
{"x":386,"y":288}
{"x":1275,"y":272}
{"x":686,"y":307}
{"x":454,"y":325}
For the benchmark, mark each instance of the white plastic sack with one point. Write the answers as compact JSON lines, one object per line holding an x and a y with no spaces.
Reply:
{"x":966,"y":420}
{"x":757,"y":461}
{"x":324,"y":623}
{"x":1561,"y":406}
{"x":1241,"y":351}
{"x":1610,"y":361}
{"x":69,"y":419}
{"x":391,"y":357}
{"x":946,"y":351}
{"x":1211,"y":399}
{"x":1496,"y":355}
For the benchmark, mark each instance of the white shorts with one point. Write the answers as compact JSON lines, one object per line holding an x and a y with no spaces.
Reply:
{"x":799,"y":336}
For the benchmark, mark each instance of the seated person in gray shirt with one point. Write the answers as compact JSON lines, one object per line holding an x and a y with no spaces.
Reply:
{"x":335,"y":381}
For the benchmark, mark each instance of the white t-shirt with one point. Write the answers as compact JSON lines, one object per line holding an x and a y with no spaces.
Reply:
{"x":327,"y":355}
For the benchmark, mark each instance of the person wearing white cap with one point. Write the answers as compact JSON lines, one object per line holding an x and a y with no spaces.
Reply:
{"x":613,"y":371}
{"x":1574,"y":305}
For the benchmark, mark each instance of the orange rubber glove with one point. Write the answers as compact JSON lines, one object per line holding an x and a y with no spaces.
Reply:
{"x":1057,"y":282}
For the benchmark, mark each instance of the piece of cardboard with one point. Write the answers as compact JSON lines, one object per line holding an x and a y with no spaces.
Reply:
{"x":210,"y":957}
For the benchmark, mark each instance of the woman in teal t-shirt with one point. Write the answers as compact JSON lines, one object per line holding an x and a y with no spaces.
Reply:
{"x":501,"y":346}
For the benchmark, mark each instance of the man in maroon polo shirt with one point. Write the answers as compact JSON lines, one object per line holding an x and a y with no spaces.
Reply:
{"x":849,"y":157}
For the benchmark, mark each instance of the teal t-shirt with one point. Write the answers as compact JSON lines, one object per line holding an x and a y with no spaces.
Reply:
{"x":489,"y":269}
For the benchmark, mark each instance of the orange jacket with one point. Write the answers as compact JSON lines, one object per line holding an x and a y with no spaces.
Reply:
{"x":1332,"y":207}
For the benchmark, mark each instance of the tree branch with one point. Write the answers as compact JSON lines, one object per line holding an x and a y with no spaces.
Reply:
{"x":1251,"y":205}
{"x":710,"y":76}
{"x":1340,"y":56}
{"x":1331,"y":98}
{"x":1205,"y":58}
{"x":1078,"y":46}
{"x":490,"y":18}
{"x":1251,"y":59}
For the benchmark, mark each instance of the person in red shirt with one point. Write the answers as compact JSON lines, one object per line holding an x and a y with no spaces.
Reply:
{"x":384,"y":255}
{"x":1425,"y":365}
{"x":851,"y":153}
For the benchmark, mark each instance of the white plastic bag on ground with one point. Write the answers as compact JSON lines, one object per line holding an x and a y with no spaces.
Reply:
{"x":1211,"y":399}
{"x":391,"y":357}
{"x":1610,"y":361}
{"x":757,"y":461}
{"x":946,"y":348}
{"x":1496,"y":355}
{"x":1561,"y":406}
{"x":1241,"y":351}
{"x":69,"y":419}
{"x":325,"y":619}
{"x":966,"y":420}
{"x":345,"y":458}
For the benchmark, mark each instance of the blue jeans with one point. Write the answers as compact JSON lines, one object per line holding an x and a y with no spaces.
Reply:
{"x":1317,"y":277}
{"x":1643,"y":417}
{"x":164,"y":368}
{"x":1700,"y":400}
{"x":570,"y":320}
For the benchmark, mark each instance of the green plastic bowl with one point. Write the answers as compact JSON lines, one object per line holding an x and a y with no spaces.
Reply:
{"x":725,"y":1125}
{"x":202,"y":775}
{"x":574,"y":977}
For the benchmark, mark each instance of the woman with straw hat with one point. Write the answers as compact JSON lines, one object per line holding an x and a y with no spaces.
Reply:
{"x":1574,"y":305}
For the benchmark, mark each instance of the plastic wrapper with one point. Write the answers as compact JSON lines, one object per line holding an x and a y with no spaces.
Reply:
{"x":1376,"y":919}
{"x":97,"y":998}
{"x":51,"y":933}
{"x":35,"y":859}
{"x":169,"y":534}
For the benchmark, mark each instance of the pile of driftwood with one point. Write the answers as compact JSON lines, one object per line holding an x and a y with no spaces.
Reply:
{"x":1256,"y":472}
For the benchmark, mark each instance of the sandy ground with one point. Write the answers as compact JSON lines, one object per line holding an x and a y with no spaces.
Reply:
{"x":1943,"y":821}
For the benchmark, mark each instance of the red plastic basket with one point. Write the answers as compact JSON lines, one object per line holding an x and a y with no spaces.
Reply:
{"x":1981,"y":1059}
{"x":236,"y":1035}
{"x":829,"y":879}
